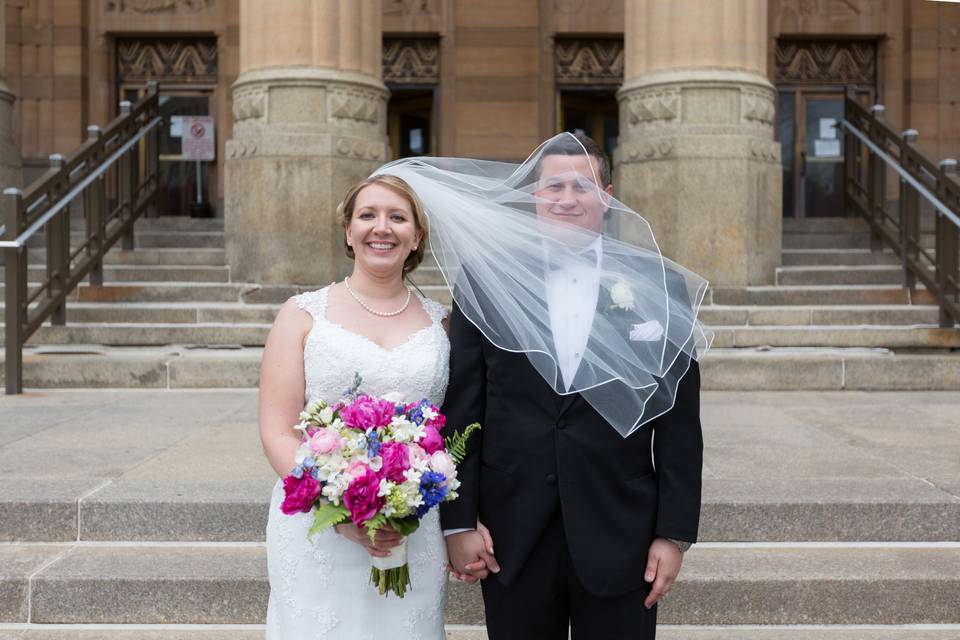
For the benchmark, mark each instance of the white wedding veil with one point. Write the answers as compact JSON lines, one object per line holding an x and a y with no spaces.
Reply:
{"x":501,"y":233}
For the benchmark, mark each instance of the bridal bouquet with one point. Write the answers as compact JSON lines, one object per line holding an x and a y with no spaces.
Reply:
{"x":376,"y":462}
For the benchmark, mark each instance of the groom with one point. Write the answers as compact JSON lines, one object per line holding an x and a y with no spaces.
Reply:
{"x":589,"y":527}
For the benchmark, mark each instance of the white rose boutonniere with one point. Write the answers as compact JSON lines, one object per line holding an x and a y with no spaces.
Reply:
{"x":621,"y":296}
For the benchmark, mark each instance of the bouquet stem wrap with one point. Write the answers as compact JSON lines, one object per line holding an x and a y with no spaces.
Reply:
{"x":391,"y":573}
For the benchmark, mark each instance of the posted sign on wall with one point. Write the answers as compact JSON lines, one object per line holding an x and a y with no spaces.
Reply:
{"x":198,"y":139}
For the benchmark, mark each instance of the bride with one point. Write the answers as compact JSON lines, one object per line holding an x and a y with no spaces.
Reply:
{"x":374,"y":325}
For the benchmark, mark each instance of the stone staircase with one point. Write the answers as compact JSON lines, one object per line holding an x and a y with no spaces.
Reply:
{"x":827,"y":514}
{"x":170,"y":316}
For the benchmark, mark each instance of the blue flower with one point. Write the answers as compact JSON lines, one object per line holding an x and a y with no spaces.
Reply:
{"x":297,"y":472}
{"x":308,"y":462}
{"x":433,"y":490}
{"x":373,"y":444}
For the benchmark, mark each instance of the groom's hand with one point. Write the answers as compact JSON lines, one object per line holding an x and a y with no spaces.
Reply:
{"x":663,"y":565}
{"x":471,"y":556}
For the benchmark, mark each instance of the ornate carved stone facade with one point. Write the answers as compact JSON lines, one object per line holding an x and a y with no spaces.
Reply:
{"x":589,"y":61}
{"x":409,"y":61}
{"x":167,"y":59}
{"x":157,"y":6}
{"x":826,"y":62}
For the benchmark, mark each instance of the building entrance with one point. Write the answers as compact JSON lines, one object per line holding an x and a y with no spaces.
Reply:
{"x":811,"y":77}
{"x":186,"y":71}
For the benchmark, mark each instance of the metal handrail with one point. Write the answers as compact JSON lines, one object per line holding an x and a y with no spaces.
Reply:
{"x":871,"y":148}
{"x":922,"y":190}
{"x":45,"y":205}
{"x":77,"y":190}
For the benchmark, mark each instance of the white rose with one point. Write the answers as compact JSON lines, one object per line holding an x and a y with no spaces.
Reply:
{"x":442,"y":462}
{"x":622,"y":296}
{"x":326,"y":415}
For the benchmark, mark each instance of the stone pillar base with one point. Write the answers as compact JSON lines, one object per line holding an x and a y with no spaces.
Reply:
{"x":302,"y":136}
{"x":697,"y":159}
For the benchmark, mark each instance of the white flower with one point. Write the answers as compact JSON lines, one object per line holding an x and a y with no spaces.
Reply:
{"x":385,"y":487}
{"x":326,"y":415}
{"x":622,"y":296}
{"x":442,"y":462}
{"x":405,"y":431}
{"x":429,"y":413}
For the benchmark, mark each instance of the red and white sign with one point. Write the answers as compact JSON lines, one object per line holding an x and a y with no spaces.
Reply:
{"x":198,"y":139}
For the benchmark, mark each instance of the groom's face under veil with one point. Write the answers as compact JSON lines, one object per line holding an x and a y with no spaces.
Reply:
{"x":567,"y":192}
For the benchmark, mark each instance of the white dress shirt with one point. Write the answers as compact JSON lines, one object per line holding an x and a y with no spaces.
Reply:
{"x":572,"y":294}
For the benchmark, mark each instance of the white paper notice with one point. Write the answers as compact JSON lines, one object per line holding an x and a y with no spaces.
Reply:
{"x":176,"y":126}
{"x":828,"y":128}
{"x":826,"y":148}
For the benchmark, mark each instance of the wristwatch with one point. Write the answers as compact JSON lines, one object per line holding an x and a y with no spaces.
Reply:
{"x":683,"y":545}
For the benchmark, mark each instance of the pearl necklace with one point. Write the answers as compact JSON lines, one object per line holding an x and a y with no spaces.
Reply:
{"x":382,"y":314}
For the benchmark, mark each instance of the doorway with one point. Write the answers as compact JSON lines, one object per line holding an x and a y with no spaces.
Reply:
{"x":594,"y":113}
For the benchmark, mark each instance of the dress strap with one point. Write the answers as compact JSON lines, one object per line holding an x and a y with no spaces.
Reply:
{"x":313,"y":302}
{"x":434,"y":309}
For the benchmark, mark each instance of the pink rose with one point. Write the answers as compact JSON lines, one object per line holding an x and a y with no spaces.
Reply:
{"x":361,"y":498}
{"x":395,"y":460}
{"x":442,"y":462}
{"x":325,"y":441}
{"x":357,"y":469}
{"x":366,"y":413}
{"x":300,"y":494}
{"x":417,"y":455}
{"x":432,"y":441}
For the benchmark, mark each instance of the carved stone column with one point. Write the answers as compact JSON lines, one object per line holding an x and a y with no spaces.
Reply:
{"x":11,"y":165}
{"x":309,"y":112}
{"x":697,"y":156}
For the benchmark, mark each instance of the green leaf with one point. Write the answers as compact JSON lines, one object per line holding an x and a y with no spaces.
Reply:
{"x":404,"y":526}
{"x":378,"y":521}
{"x":327,"y":516}
{"x":457,"y":443}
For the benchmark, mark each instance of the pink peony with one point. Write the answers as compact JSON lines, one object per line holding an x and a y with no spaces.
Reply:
{"x":300,"y":494}
{"x":438,"y":422}
{"x":417,"y":455}
{"x":366,"y":413}
{"x":442,"y":462}
{"x":396,"y":460}
{"x":325,"y":441}
{"x":432,"y":441}
{"x":358,"y":468}
{"x":361,"y":498}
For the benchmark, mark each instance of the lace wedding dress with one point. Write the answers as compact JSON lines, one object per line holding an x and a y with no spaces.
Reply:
{"x":321,"y":589}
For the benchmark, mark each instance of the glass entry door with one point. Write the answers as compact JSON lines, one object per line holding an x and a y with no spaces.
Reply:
{"x":180,"y":179}
{"x":812,"y":146}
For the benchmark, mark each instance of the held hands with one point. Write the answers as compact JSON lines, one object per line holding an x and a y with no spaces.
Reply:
{"x":386,"y":539}
{"x":471,"y":555}
{"x":663,"y":565}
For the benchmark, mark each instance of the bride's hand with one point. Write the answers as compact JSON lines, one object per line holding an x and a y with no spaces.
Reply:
{"x":386,"y":539}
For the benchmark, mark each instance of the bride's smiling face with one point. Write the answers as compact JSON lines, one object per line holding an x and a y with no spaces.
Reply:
{"x":382,"y":229}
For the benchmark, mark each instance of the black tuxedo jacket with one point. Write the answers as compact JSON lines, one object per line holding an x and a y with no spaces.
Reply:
{"x":539,"y":452}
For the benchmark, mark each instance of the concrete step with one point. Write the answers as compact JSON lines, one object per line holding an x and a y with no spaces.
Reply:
{"x":800,"y":315}
{"x":761,"y":369}
{"x":147,"y":273}
{"x":168,"y":508}
{"x":839,"y":275}
{"x":478,"y":632}
{"x":721,"y":584}
{"x":169,"y":312}
{"x":149,"y":257}
{"x":222,"y":334}
{"x":712,"y":315}
{"x":149,"y":239}
{"x":794,"y":226}
{"x":821,"y":295}
{"x":136,"y":334}
{"x":181,"y":292}
{"x":869,"y":336}
{"x":164,"y":223}
{"x":837,"y":257}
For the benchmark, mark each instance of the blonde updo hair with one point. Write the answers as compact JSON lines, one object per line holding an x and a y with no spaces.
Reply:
{"x":401,"y":188}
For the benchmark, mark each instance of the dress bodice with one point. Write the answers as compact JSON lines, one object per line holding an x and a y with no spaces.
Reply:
{"x":418,"y":368}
